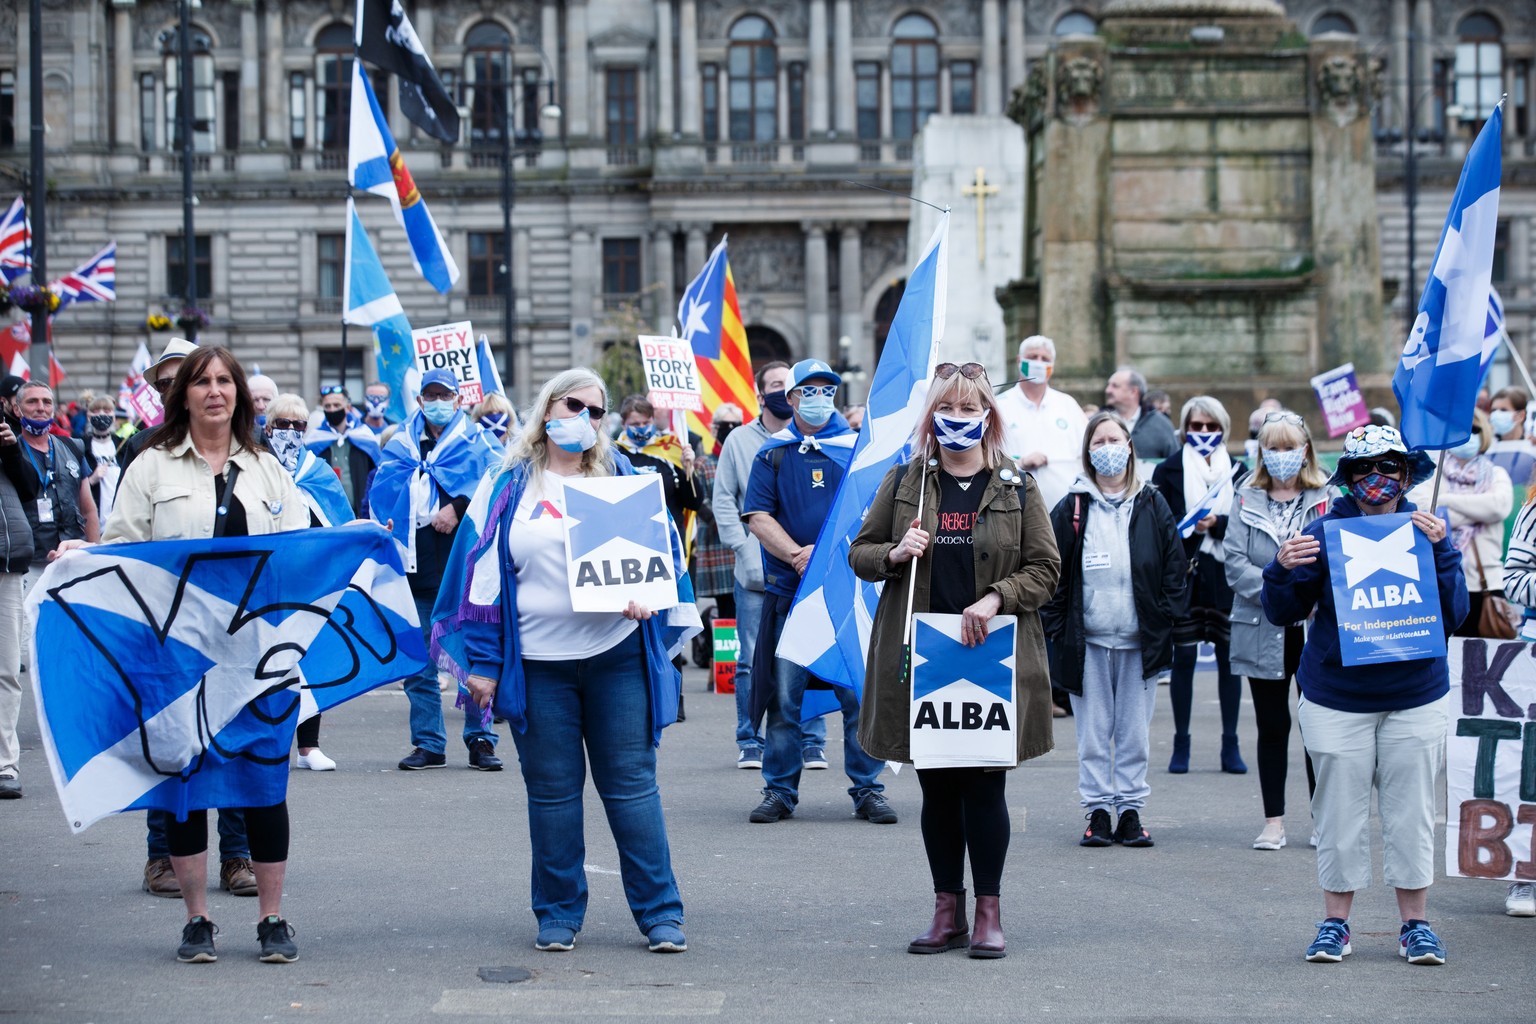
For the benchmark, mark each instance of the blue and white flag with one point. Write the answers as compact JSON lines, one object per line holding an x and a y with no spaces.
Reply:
{"x":964,"y":710}
{"x":1437,"y":380}
{"x":172,"y":674}
{"x":1385,"y":592}
{"x":370,"y":301}
{"x":322,"y":436}
{"x":322,"y":490}
{"x":407,"y":488}
{"x":1493,"y":330}
{"x":829,"y":625}
{"x":375,"y":165}
{"x":490,"y":376}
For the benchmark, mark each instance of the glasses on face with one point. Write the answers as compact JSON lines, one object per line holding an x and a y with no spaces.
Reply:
{"x":1386,"y":467}
{"x":578,"y":407}
{"x":970,"y":371}
{"x":817,"y":390}
{"x":332,"y":389}
{"x":163,"y":384}
{"x":289,"y":425}
{"x":1204,"y":427}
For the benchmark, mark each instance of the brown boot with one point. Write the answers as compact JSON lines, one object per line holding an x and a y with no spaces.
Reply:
{"x":987,"y":943}
{"x":160,"y":880}
{"x":236,"y":876}
{"x":949,"y":930}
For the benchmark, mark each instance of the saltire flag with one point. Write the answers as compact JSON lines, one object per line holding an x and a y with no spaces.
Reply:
{"x":370,"y":301}
{"x":385,"y":38}
{"x":171,"y":674}
{"x":490,"y":374}
{"x":95,"y":280}
{"x":829,"y":624}
{"x":375,"y":165}
{"x":1493,"y":330}
{"x":322,"y":490}
{"x":1437,"y":379}
{"x":15,"y":242}
{"x":710,"y":317}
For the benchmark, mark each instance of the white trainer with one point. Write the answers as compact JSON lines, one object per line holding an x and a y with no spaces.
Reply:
{"x":316,"y":761}
{"x":1521,"y":901}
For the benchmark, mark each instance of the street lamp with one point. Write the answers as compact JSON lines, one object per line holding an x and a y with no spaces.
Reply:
{"x":183,"y":41}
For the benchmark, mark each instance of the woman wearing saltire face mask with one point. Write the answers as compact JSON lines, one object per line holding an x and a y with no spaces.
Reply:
{"x":1111,"y":623}
{"x":981,"y":548}
{"x":1378,"y":726}
{"x":1186,"y":478}
{"x":1286,"y":492}
{"x":1478,"y":495}
{"x":495,"y":413}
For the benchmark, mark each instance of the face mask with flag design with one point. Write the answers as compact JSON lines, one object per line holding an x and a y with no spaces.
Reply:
{"x":496,"y":423}
{"x":1284,"y":464}
{"x":37,"y":428}
{"x":376,"y":404}
{"x":1202,"y":442}
{"x":959,"y":435}
{"x":641,"y":434}
{"x":1110,"y":459}
{"x":573,"y":433}
{"x":1035,"y":371}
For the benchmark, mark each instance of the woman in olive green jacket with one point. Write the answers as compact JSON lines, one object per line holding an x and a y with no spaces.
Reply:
{"x":994,"y":555}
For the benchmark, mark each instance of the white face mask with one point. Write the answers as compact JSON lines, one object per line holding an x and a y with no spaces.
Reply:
{"x":573,"y":433}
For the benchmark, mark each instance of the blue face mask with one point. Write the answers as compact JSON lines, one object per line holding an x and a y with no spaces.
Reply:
{"x":1110,"y":459}
{"x":573,"y":433}
{"x":1469,"y":449}
{"x":817,"y":410}
{"x":959,"y":435}
{"x":37,"y":428}
{"x":640,"y":435}
{"x":439,"y":411}
{"x":496,"y":423}
{"x":1284,"y":464}
{"x":1203,"y":443}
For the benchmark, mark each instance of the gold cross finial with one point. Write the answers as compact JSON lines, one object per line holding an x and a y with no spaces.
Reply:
{"x":980,"y":189}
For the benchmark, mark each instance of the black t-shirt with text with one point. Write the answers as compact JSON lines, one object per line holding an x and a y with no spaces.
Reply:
{"x":952,"y":583}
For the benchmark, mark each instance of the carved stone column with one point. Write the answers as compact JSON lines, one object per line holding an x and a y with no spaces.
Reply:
{"x":818,"y":328}
{"x":576,"y":72}
{"x":842,"y":59}
{"x":274,"y":81}
{"x":695,"y":253}
{"x":819,"y":80}
{"x":850,"y":278}
{"x":1015,"y":31}
{"x":125,"y":109}
{"x":661,"y":274}
{"x":664,"y":88}
{"x":991,"y":60}
{"x":688,"y":66}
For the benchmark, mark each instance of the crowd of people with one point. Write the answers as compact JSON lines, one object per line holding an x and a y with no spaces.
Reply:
{"x":1119,"y":539}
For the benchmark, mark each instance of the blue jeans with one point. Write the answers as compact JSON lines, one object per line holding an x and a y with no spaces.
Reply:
{"x":749,"y":736}
{"x":783,"y":756}
{"x":427,"y":700}
{"x":601,"y":703}
{"x":232,"y":840}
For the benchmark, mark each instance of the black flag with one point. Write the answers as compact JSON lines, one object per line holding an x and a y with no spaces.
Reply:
{"x":386,"y":39}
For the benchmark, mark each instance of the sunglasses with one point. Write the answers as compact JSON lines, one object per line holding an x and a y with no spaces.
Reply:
{"x":333,"y":389}
{"x":1204,"y":427}
{"x":289,"y":425}
{"x":1388,"y":467}
{"x":577,"y":406}
{"x":970,"y":371}
{"x":817,"y":390}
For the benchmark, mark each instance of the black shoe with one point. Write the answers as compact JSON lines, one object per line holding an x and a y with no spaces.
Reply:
{"x":482,"y":755}
{"x":276,"y":936}
{"x":1097,"y":832}
{"x":773,"y":808}
{"x":875,"y":810}
{"x":682,"y":710}
{"x":197,"y":942}
{"x":1129,"y":831}
{"x":418,"y":759}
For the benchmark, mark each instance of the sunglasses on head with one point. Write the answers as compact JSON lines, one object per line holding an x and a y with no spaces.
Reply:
{"x":970,"y":371}
{"x":289,"y":425}
{"x":332,"y":389}
{"x":1388,"y":467}
{"x":1285,"y":416}
{"x":577,"y":406}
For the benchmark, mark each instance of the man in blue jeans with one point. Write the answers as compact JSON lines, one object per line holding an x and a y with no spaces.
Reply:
{"x":235,"y":874}
{"x":789,"y":496}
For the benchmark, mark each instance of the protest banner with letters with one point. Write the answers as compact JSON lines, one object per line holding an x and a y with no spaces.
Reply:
{"x":1490,"y":760}
{"x":1385,"y":592}
{"x":451,"y":347}
{"x":727,"y":650}
{"x":964,"y":703}
{"x":618,"y":543}
{"x":671,"y":375}
{"x":144,"y":402}
{"x":1338,"y":393}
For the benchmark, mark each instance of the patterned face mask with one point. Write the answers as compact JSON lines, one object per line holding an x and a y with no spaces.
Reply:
{"x":1203,"y":443}
{"x":496,"y":423}
{"x":1376,"y":489}
{"x":572,"y":433}
{"x":286,"y":445}
{"x":1110,"y":459}
{"x":1283,"y":464}
{"x":959,"y":435}
{"x":640,"y":435}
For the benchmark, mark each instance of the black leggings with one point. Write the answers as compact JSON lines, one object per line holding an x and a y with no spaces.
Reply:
{"x":308,"y":734}
{"x":965,"y":808}
{"x":1272,"y":715}
{"x":266,"y":829}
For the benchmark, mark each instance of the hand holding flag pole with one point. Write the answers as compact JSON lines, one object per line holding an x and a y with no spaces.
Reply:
{"x":906,"y":632}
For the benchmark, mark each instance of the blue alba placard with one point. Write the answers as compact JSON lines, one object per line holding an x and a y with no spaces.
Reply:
{"x":1384,"y":590}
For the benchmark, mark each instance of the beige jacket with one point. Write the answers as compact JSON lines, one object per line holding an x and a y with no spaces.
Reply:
{"x":1485,"y":512}
{"x":169,"y":495}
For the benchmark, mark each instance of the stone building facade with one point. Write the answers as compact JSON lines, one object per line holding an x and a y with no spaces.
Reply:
{"x":680,"y":121}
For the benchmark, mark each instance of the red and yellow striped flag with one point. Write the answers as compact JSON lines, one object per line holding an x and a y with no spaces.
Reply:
{"x":711,"y":321}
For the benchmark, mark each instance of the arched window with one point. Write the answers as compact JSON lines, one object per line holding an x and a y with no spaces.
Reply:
{"x":486,"y":50}
{"x":1333,"y":21}
{"x":333,"y":84}
{"x":1479,"y":66}
{"x":1075,"y":23}
{"x":914,"y":74}
{"x":754,"y":81}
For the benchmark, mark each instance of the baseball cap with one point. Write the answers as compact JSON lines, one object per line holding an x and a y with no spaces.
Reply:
{"x":10,"y":385}
{"x":443,"y":377}
{"x":805,"y":369}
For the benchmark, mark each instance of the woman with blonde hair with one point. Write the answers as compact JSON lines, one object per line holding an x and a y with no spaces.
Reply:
{"x":495,"y":413}
{"x":577,"y":688}
{"x":1286,"y":492}
{"x":980,"y":547}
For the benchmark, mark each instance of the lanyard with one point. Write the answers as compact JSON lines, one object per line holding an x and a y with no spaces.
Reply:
{"x":45,"y":471}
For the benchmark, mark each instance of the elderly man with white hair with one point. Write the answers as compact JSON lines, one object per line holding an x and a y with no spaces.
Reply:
{"x":1044,"y":426}
{"x":263,"y":391}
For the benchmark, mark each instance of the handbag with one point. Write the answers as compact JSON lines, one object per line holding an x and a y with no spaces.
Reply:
{"x":1493,"y":622}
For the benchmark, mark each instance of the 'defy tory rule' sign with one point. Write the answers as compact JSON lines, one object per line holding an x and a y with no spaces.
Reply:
{"x":451,"y":347}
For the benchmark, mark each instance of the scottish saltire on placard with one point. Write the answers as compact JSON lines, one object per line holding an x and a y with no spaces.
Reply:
{"x":15,"y":242}
{"x":172,"y":674}
{"x":1385,"y":594}
{"x":374,"y":164}
{"x":828,"y":627}
{"x":618,"y":543}
{"x":1437,"y":379}
{"x":95,"y":280}
{"x":964,"y":711}
{"x":369,"y":300}
{"x":710,"y":319}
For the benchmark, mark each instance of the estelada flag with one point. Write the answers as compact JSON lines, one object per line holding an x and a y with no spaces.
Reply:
{"x":711,"y":322}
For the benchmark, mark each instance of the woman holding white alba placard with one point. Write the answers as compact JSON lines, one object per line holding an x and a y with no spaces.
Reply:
{"x":958,"y":530}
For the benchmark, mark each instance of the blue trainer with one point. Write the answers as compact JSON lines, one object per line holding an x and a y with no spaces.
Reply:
{"x":1332,"y":942}
{"x":1419,"y":943}
{"x":555,"y":939}
{"x":667,"y":938}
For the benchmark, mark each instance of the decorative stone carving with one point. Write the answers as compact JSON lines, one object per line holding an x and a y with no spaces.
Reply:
{"x":1194,"y":9}
{"x":789,"y":18}
{"x":452,"y":19}
{"x":768,"y":261}
{"x":1341,"y":88}
{"x":873,"y":20}
{"x":884,"y":245}
{"x":302,"y":17}
{"x":1027,"y":104}
{"x":1079,"y":82}
{"x":8,"y":25}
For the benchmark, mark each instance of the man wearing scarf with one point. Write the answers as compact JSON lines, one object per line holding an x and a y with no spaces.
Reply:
{"x":427,"y":474}
{"x":342,"y":439}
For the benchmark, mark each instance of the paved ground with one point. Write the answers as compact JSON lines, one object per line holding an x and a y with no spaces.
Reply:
{"x":403,"y":886}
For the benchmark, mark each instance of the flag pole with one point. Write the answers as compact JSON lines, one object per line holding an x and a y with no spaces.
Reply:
{"x":1434,"y":494}
{"x":906,"y":632}
{"x":1514,"y":354}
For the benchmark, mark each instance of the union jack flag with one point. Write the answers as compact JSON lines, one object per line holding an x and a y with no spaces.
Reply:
{"x":15,"y":242}
{"x":95,"y":280}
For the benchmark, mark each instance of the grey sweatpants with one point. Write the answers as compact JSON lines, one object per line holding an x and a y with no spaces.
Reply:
{"x":1114,"y":724}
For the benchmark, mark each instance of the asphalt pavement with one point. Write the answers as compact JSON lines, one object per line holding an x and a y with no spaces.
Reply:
{"x":406,"y":888}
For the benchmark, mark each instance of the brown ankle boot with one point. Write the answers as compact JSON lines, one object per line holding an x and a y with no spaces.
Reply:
{"x":987,"y":943}
{"x":949,"y":930}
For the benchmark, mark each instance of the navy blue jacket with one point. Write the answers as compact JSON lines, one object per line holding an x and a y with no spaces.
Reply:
{"x":1290,"y":595}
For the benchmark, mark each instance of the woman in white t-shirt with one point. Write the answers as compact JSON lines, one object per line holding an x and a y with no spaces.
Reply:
{"x":577,"y":688}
